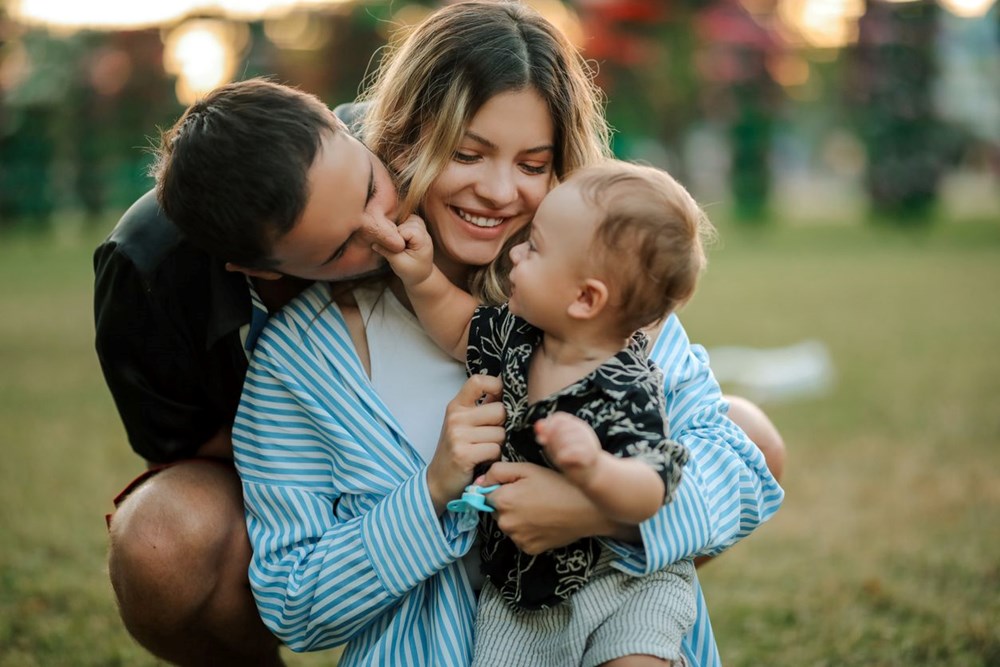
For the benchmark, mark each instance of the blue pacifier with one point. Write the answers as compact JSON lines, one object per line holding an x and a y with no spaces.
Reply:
{"x":473,"y":498}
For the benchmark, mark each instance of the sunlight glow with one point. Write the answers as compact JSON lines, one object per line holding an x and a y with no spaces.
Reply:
{"x":105,"y":13}
{"x":822,"y":23}
{"x":134,"y":14}
{"x":968,"y":9}
{"x":202,"y":54}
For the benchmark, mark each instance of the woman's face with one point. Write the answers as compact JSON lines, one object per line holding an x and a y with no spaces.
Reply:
{"x":495,"y":180}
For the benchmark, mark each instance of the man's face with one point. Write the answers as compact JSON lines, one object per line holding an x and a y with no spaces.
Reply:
{"x":352,"y":204}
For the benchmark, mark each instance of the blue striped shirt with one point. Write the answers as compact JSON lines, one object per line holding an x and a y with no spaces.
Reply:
{"x":347,"y":546}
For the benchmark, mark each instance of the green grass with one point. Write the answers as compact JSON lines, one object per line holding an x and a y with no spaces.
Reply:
{"x":887,"y":551}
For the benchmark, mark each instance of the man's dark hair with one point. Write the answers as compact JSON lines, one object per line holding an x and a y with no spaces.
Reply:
{"x":232,"y":172}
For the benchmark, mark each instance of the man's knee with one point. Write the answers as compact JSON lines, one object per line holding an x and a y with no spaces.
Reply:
{"x":761,"y":430}
{"x":170,"y":542}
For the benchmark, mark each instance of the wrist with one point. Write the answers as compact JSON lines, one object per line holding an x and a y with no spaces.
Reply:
{"x":438,"y":499}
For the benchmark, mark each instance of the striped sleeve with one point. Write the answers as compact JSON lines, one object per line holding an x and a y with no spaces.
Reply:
{"x":726,"y":489}
{"x":341,"y":524}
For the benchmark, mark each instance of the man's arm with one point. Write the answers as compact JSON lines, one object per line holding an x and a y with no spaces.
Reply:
{"x":153,"y":367}
{"x":444,"y":309}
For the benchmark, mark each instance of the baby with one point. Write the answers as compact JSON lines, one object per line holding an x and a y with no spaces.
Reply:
{"x":613,"y":250}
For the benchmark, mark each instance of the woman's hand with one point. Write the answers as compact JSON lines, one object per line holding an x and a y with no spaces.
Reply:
{"x":472,"y":433}
{"x":539,"y":509}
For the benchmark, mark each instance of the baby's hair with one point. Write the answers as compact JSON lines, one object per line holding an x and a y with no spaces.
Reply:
{"x":649,"y":245}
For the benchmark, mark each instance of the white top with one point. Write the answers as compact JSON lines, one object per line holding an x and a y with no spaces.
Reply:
{"x":405,"y":363}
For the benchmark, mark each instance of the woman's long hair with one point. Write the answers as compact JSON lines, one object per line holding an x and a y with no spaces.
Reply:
{"x":428,"y":88}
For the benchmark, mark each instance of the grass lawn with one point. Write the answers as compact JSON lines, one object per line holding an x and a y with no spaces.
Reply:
{"x":887,"y":551}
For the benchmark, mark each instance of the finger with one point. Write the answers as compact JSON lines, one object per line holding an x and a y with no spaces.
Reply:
{"x":503,"y":472}
{"x":413,"y":222}
{"x":542,"y":430}
{"x":489,"y":414}
{"x":476,"y":387}
{"x":492,"y":434}
{"x":485,"y":452}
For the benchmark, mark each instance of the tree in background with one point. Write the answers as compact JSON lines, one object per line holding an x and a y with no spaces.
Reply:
{"x":738,"y":89}
{"x":892,"y":70}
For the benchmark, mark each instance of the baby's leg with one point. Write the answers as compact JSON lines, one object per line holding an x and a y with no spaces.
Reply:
{"x":652,"y":615}
{"x":640,"y":661}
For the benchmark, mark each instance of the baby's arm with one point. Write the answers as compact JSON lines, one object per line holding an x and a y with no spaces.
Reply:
{"x":624,"y":489}
{"x":444,"y":309}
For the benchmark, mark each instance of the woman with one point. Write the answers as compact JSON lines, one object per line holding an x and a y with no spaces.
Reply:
{"x":345,"y":477}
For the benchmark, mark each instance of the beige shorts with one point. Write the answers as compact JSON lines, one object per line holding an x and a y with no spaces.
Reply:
{"x":613,"y":616}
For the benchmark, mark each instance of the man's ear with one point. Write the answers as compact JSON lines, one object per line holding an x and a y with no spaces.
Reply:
{"x":590,"y":300}
{"x":263,"y":274}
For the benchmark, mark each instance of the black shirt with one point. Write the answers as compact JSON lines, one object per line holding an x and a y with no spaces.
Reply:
{"x":622,"y":399}
{"x":167,"y":319}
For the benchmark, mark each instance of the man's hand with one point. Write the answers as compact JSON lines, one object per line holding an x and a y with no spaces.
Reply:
{"x":415,"y":262}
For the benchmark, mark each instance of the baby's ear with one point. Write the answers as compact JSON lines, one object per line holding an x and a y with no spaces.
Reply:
{"x":590,"y":300}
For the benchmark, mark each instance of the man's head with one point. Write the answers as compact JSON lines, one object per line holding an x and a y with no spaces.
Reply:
{"x":264,"y":177}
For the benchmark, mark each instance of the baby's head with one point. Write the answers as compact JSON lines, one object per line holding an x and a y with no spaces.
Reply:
{"x":615,"y":238}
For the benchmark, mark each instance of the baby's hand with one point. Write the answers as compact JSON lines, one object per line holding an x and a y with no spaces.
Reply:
{"x":570,"y":444}
{"x":416,"y":261}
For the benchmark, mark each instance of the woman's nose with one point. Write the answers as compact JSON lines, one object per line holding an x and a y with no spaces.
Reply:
{"x":499,"y":187}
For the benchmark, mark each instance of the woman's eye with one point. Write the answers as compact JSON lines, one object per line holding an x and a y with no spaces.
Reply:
{"x":535,"y":168}
{"x":465,"y":157}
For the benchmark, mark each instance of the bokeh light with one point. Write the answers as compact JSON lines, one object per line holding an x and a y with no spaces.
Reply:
{"x":822,"y":23}
{"x":202,"y":54}
{"x":968,"y":8}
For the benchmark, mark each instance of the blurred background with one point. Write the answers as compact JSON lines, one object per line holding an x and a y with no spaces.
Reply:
{"x":773,"y":108}
{"x":848,"y":151}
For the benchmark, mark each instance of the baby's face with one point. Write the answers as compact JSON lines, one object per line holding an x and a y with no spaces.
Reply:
{"x":551,"y":264}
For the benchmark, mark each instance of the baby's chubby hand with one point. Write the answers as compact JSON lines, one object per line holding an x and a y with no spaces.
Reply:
{"x":570,"y":444}
{"x":415,"y":262}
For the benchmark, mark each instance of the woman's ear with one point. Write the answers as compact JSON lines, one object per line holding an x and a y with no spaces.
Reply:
{"x":263,"y":274}
{"x":590,"y":300}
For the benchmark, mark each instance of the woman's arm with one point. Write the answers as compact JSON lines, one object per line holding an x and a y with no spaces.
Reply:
{"x":333,"y":502}
{"x":727,"y":490}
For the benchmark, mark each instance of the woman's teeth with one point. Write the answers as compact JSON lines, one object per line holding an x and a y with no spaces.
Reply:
{"x":477,"y":220}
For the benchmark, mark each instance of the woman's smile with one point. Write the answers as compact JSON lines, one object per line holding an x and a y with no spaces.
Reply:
{"x":480,"y":221}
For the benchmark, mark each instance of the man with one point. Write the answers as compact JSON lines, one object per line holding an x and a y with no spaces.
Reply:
{"x":260,"y":190}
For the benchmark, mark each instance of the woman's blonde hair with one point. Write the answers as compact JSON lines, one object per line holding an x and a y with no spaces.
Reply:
{"x":428,"y":88}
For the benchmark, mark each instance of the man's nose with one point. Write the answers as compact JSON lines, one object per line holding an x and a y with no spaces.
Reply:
{"x":382,"y":230}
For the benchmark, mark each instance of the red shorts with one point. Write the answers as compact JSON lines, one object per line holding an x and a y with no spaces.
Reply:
{"x":154,"y":470}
